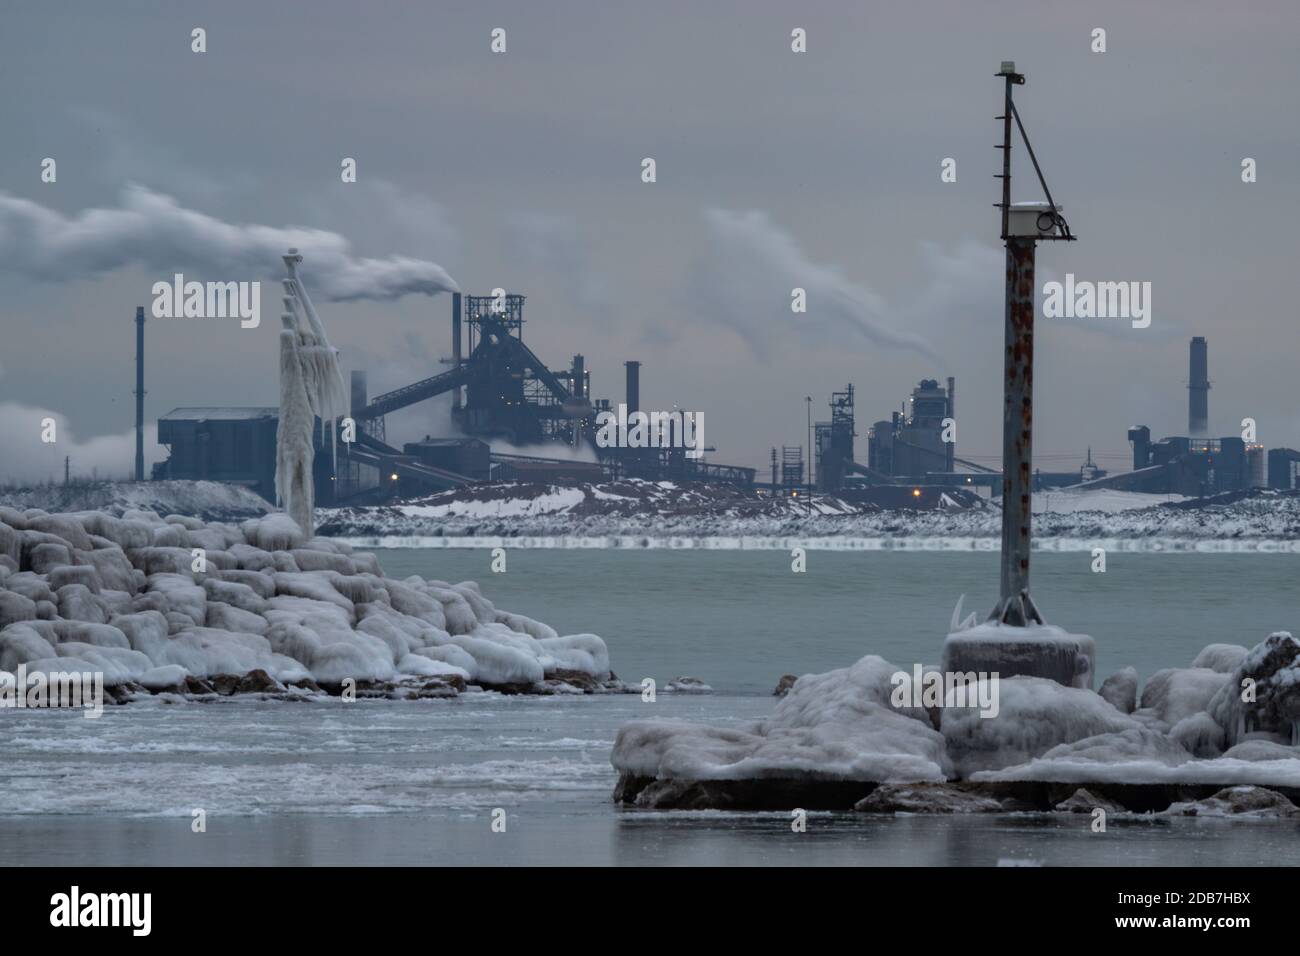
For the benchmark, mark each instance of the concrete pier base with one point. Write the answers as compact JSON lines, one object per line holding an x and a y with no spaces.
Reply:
{"x":1041,"y":650}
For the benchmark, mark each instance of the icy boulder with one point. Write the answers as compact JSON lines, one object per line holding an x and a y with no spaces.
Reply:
{"x":269,"y":608}
{"x":1120,"y":690}
{"x":834,"y":726}
{"x":1042,"y":650}
{"x":1242,"y":801}
{"x":1173,"y":694}
{"x":1034,"y":715}
{"x":1224,"y":658}
{"x":1263,"y":693}
{"x":927,"y":798}
{"x":1110,"y":757}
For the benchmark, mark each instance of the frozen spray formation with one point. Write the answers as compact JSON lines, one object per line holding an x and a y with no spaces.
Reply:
{"x":174,"y":604}
{"x":1230,"y":720}
{"x":311,"y":388}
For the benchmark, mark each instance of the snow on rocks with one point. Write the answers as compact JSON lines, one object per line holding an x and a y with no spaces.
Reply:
{"x":687,"y":685}
{"x":838,"y":740}
{"x":928,"y":798}
{"x":1262,"y":694}
{"x":1250,"y":802}
{"x":258,"y":608}
{"x":833,"y":727}
{"x":1034,"y":716}
{"x":1120,"y":690}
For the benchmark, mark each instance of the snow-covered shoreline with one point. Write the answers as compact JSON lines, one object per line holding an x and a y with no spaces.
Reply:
{"x":177,"y":605}
{"x":655,"y":515}
{"x":825,"y":543}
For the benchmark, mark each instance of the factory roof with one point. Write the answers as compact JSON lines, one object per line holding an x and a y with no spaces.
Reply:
{"x":221,"y":413}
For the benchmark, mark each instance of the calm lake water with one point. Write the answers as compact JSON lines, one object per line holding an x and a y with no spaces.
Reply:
{"x":416,"y":782}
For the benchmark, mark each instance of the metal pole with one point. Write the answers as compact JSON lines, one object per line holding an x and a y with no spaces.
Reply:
{"x":811,"y":454}
{"x":1015,"y":606}
{"x":139,"y":393}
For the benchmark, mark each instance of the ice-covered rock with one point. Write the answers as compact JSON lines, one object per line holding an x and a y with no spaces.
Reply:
{"x":1034,"y":715}
{"x":1224,"y":658}
{"x":1120,"y":690}
{"x":784,"y":684}
{"x":1199,"y":734}
{"x":927,"y":798}
{"x":1242,"y":801}
{"x":267,"y":607}
{"x":687,"y":685}
{"x":1175,"y":693}
{"x":1082,"y":801}
{"x":833,"y":726}
{"x":1263,"y":692}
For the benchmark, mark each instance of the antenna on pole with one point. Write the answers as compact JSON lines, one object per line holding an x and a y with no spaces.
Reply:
{"x":1023,"y":224}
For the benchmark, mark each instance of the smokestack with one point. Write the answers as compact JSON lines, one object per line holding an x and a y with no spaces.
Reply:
{"x":358,"y":390}
{"x":579,"y":377}
{"x":1198,"y":388}
{"x":455,"y":344}
{"x":633,"y":387}
{"x":951,"y":450}
{"x":139,"y":393}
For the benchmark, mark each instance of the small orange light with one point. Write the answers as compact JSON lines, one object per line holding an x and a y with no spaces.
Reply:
{"x":916,"y":492}
{"x":394,"y":476}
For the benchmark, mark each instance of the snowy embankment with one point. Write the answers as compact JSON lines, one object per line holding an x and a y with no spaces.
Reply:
{"x":1231,"y":719}
{"x":174,"y":604}
{"x":638,"y":514}
{"x":205,"y":500}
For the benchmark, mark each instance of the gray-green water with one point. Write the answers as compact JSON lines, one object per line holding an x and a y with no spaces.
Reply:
{"x":741,"y":619}
{"x":417,"y":782}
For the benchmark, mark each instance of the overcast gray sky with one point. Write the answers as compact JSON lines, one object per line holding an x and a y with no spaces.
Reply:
{"x":775,"y":169}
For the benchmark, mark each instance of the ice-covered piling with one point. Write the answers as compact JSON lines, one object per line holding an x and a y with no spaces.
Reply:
{"x":1040,"y":650}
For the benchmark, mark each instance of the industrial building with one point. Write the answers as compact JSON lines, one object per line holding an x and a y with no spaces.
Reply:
{"x":235,"y":445}
{"x":499,"y":389}
{"x":912,"y":444}
{"x":1194,"y":464}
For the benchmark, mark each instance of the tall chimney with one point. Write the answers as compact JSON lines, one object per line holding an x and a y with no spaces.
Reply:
{"x":139,"y":393}
{"x":633,"y":387}
{"x":579,"y":377}
{"x":358,"y":390}
{"x":1198,"y":388}
{"x":455,"y":344}
{"x":951,"y":451}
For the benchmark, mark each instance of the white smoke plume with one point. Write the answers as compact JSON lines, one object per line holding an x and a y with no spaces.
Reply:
{"x":27,"y":459}
{"x":154,"y":231}
{"x":746,"y":282}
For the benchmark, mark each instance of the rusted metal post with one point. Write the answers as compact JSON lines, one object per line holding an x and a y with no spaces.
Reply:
{"x":1015,"y":606}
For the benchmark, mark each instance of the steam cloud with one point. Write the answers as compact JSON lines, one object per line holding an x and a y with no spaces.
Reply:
{"x":154,"y":231}
{"x":28,"y":459}
{"x":747,"y":280}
